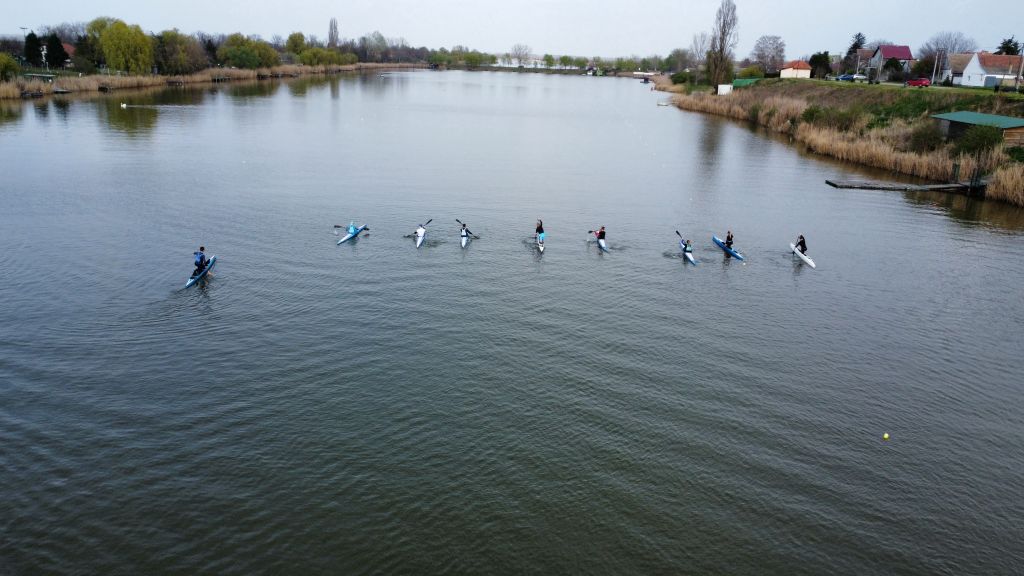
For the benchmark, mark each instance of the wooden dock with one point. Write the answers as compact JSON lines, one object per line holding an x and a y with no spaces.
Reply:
{"x":899,"y":187}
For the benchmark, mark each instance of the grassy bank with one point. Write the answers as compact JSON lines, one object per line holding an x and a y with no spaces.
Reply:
{"x":885,"y":127}
{"x":13,"y":89}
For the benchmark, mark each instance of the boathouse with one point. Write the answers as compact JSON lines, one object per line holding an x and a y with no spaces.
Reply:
{"x":954,"y":124}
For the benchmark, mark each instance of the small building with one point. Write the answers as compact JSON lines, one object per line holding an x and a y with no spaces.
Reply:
{"x":795,"y":69}
{"x":988,"y":70}
{"x":887,"y":52}
{"x":954,"y":124}
{"x":953,"y":68}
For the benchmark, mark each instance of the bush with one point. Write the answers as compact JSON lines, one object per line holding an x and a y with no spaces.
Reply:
{"x":1016,"y":152}
{"x":926,"y":137}
{"x":836,"y":118}
{"x":979,"y":139}
{"x":9,"y":69}
{"x":681,"y":78}
{"x":751,"y":72}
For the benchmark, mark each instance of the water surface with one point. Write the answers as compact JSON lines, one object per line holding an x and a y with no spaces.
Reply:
{"x":372,"y":408}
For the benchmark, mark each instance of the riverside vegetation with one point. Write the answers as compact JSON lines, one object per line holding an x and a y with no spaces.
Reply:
{"x":879,"y":126}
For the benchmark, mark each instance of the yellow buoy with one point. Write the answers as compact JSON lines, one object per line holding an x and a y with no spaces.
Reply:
{"x":885,"y":436}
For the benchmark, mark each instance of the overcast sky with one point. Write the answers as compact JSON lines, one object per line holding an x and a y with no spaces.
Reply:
{"x":605,"y":28}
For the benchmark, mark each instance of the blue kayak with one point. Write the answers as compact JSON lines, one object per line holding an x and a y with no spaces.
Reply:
{"x":727,"y":250}
{"x":201,"y":275}
{"x":352,"y":235}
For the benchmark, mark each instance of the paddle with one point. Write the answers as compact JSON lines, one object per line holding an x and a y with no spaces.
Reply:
{"x":678,"y":234}
{"x":475,"y":237}
{"x":414,"y":232}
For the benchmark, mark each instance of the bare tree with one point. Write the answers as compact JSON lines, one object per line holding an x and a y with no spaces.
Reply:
{"x":874,"y":44}
{"x":769,"y":53}
{"x":724,"y":37}
{"x":948,"y":43}
{"x":66,"y":31}
{"x":699,"y":48}
{"x":682,"y":59}
{"x":521,"y":54}
{"x":332,"y":34}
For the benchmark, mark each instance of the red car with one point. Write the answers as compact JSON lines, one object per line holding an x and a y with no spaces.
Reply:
{"x":920,"y":82}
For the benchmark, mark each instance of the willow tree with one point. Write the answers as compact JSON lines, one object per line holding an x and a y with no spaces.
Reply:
{"x":127,"y":48}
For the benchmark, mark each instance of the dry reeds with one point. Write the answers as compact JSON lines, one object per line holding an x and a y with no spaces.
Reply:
{"x":14,"y":89}
{"x":841,"y":130}
{"x":1007,"y":184}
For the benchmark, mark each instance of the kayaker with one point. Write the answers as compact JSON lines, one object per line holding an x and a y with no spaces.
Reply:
{"x":801,"y":244}
{"x":688,"y":247}
{"x":540,"y":231}
{"x":200,"y":260}
{"x":352,"y":228}
{"x":600,"y":233}
{"x":728,"y":239}
{"x":465,"y":232}
{"x":420,"y":231}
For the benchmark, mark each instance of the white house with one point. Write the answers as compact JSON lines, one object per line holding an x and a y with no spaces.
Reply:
{"x":985,"y":69}
{"x":795,"y":69}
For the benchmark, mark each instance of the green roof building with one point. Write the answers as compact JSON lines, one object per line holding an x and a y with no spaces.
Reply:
{"x":954,"y":124}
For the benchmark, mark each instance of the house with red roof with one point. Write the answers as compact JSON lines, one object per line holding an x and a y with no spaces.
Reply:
{"x":884,"y":53}
{"x":795,"y":69}
{"x":988,"y":70}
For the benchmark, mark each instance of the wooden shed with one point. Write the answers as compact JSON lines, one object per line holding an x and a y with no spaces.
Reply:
{"x":954,"y":124}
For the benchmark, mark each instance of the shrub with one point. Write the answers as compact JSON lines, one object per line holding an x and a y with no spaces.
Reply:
{"x":979,"y":139}
{"x":826,"y":117}
{"x":926,"y":137}
{"x":9,"y":69}
{"x":751,"y":72}
{"x":755,"y":113}
{"x":1016,"y":152}
{"x":680,"y":77}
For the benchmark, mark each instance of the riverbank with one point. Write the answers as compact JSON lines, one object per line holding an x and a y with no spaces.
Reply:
{"x":886,"y":127}
{"x":102,"y":83}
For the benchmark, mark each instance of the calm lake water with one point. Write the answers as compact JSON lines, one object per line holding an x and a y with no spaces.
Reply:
{"x":374,"y":408}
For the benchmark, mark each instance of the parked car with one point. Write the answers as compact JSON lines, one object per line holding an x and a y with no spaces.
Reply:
{"x":919,"y":82}
{"x":852,"y":78}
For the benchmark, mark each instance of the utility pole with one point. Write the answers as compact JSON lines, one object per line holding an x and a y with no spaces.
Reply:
{"x":1016,"y":81}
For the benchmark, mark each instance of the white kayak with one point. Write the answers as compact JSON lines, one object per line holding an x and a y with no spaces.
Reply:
{"x":602,"y":244}
{"x":802,"y":256}
{"x":465,"y":241}
{"x":688,"y":255}
{"x":540,"y":246}
{"x":420,"y":238}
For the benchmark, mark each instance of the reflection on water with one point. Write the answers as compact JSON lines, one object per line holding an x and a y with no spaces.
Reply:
{"x":10,"y":111}
{"x":132,"y":119}
{"x":967,"y":210}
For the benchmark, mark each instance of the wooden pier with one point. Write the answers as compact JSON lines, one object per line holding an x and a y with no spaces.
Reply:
{"x":899,"y":187}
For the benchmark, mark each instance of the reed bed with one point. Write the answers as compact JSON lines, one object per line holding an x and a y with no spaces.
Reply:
{"x":13,"y":89}
{"x":1007,"y":184}
{"x":853,"y":139}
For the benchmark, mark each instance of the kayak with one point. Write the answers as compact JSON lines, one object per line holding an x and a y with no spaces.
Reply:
{"x":601,"y":243}
{"x":201,"y":275}
{"x":420,"y":239}
{"x":348,"y":237}
{"x":688,"y":255}
{"x":802,"y":256}
{"x":540,"y":244}
{"x":727,"y":250}
{"x":465,"y":241}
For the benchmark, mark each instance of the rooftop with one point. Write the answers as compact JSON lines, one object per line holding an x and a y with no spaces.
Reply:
{"x":979,"y":119}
